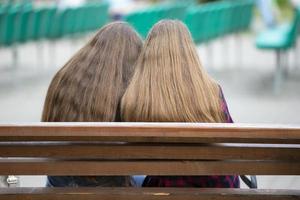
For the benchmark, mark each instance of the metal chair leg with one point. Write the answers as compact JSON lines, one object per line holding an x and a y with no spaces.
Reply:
{"x":251,"y":183}
{"x":40,"y":55}
{"x":52,"y":54}
{"x":297,"y":54}
{"x":15,"y":56}
{"x":285,"y":63}
{"x":278,"y":74}
{"x":239,"y":50}
{"x":209,"y":56}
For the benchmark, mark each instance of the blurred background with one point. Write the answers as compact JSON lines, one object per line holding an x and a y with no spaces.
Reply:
{"x":248,"y":46}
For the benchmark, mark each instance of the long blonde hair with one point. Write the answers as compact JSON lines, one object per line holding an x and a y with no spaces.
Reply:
{"x":90,"y":85}
{"x":170,"y":84}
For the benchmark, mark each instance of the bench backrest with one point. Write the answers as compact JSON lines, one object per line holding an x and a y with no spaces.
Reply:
{"x":152,"y":149}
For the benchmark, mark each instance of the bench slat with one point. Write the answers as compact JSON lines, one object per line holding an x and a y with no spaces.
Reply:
{"x":43,"y":167}
{"x":151,"y":132}
{"x":145,"y":193}
{"x":148,"y":151}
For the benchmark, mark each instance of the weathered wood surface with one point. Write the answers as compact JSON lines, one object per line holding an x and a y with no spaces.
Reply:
{"x":135,"y":151}
{"x":148,"y":148}
{"x":43,"y":167}
{"x":151,"y":132}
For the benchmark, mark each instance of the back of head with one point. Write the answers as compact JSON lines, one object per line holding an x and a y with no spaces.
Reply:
{"x":90,"y":85}
{"x":169,"y":84}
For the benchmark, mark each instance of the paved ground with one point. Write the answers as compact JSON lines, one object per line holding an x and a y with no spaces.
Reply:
{"x":244,"y":73}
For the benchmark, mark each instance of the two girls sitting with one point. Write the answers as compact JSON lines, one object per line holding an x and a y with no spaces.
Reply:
{"x":115,"y":77}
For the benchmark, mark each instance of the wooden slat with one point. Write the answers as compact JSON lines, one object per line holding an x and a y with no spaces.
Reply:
{"x":151,"y":132}
{"x":146,"y":151}
{"x":145,"y":194}
{"x":44,"y":167}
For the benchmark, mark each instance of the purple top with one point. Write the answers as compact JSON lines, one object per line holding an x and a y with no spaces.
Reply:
{"x":225,"y":108}
{"x":197,"y":181}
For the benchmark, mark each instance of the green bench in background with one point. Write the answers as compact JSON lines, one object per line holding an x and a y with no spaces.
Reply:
{"x":143,"y":20}
{"x":217,"y":20}
{"x":280,"y":39}
{"x":214,"y":20}
{"x":21,"y":23}
{"x":205,"y":21}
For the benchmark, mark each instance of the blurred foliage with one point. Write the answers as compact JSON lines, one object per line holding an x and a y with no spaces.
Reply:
{"x":285,"y":9}
{"x":283,"y":3}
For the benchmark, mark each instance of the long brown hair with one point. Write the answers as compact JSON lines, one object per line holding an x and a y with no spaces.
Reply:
{"x":170,"y":84}
{"x":90,"y":85}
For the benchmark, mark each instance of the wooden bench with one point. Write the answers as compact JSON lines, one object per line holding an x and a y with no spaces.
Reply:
{"x":147,"y":148}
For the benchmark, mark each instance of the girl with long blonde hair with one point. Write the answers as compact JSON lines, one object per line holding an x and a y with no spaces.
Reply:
{"x":170,"y":85}
{"x":89,"y":87}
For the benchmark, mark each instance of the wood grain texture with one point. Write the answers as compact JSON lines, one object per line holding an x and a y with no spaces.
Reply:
{"x":150,"y":132}
{"x":148,"y":148}
{"x":152,"y":151}
{"x":44,"y":167}
{"x":145,"y":193}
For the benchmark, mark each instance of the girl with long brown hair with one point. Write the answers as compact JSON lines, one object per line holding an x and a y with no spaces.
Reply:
{"x":170,"y":85}
{"x":89,"y":88}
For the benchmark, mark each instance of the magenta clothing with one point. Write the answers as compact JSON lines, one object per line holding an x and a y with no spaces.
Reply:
{"x":197,"y":181}
{"x":225,"y":107}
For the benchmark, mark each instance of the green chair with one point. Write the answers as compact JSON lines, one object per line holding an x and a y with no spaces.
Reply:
{"x":9,"y":21}
{"x":226,"y":19}
{"x":35,"y":24}
{"x":55,"y":28}
{"x":90,"y":21}
{"x":48,"y":21}
{"x":191,"y":20}
{"x":106,"y":17}
{"x":102,"y":15}
{"x":248,"y":15}
{"x":2,"y":24}
{"x":81,"y":19}
{"x":22,"y":24}
{"x":85,"y":20}
{"x":232,"y":18}
{"x":202,"y":22}
{"x":150,"y":17}
{"x":21,"y":20}
{"x":178,"y":11}
{"x":160,"y":12}
{"x":68,"y":21}
{"x":280,"y":39}
{"x":236,"y":18}
{"x":143,"y":20}
{"x":8,"y":24}
{"x":219,"y":15}
{"x":41,"y":22}
{"x":211,"y":22}
{"x":138,"y":19}
{"x":6,"y":6}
